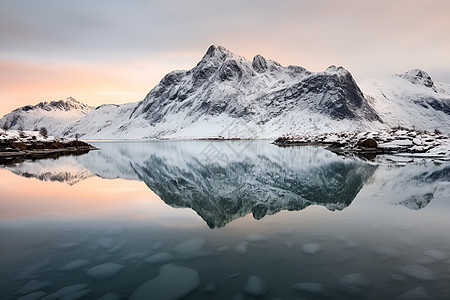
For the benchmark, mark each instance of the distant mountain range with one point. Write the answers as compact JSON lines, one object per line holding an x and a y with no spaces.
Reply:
{"x":226,"y":95}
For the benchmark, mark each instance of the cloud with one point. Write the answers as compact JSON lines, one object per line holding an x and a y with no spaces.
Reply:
{"x":370,"y":38}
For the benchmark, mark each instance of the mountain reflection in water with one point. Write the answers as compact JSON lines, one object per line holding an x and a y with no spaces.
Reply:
{"x":248,"y":177}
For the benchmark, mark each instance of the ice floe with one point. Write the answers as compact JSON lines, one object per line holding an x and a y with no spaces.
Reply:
{"x":241,"y":247}
{"x":162,"y":257}
{"x":76,"y":295}
{"x":104,"y":243}
{"x":222,"y":249}
{"x":354,"y":284}
{"x":437,"y":255}
{"x":33,"y":286}
{"x":311,"y":248}
{"x":190,"y":247}
{"x":418,"y":272}
{"x":255,"y":286}
{"x":209,"y":288}
{"x":33,"y":296}
{"x":173,"y":282}
{"x":76,"y":264}
{"x":134,"y":256}
{"x":255,"y":238}
{"x":386,"y":252}
{"x":418,"y":293}
{"x":156,"y":245}
{"x":62,"y":292}
{"x":310,"y":287}
{"x":104,"y":270}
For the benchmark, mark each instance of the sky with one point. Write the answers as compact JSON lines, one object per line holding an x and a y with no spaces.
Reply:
{"x":111,"y":51}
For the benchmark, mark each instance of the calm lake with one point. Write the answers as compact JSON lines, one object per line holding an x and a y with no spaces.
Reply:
{"x":223,"y":220}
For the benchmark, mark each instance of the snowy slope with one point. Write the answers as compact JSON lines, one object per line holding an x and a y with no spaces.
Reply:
{"x":411,"y":100}
{"x":226,"y":95}
{"x":54,"y":115}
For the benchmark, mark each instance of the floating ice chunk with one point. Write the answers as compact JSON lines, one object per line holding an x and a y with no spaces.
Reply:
{"x":255,"y":238}
{"x":116,"y":248}
{"x":235,"y":275}
{"x":436,"y":255}
{"x":173,"y":282}
{"x":350,"y":244}
{"x":110,"y":296}
{"x":76,"y":264}
{"x":418,"y":272}
{"x":354,"y":284}
{"x":289,"y":244}
{"x":134,"y":256}
{"x":425,"y":260}
{"x":311,"y":248}
{"x":33,"y":286}
{"x":34,"y":269}
{"x":419,"y":293}
{"x":255,"y":286}
{"x":156,"y":245}
{"x":242,"y":247}
{"x":209,"y":288}
{"x":68,"y":245}
{"x":65,"y":291}
{"x":33,"y":296}
{"x":222,"y":249}
{"x":190,"y":247}
{"x":162,"y":257}
{"x":76,"y":295}
{"x":398,"y":277}
{"x":105,"y":243}
{"x":310,"y":287}
{"x":386,"y":252}
{"x":104,"y":270}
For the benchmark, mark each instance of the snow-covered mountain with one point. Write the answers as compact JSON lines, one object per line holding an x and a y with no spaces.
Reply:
{"x":412,"y":100}
{"x":54,"y":115}
{"x":226,"y":95}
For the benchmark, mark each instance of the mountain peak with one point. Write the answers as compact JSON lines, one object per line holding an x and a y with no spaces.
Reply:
{"x":419,"y":77}
{"x":259,"y":64}
{"x":218,"y":52}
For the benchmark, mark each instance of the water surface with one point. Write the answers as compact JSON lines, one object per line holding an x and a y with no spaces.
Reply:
{"x":228,"y":211}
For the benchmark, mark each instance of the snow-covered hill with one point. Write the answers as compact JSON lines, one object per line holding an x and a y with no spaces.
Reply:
{"x":228,"y":96}
{"x":54,"y":115}
{"x":411,"y":100}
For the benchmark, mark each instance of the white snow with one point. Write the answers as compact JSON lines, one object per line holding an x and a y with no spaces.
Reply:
{"x":311,"y":248}
{"x":173,"y":282}
{"x":255,"y":286}
{"x":104,"y":270}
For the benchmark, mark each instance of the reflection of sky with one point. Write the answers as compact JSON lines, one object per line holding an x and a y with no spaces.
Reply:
{"x":93,"y":198}
{"x":116,"y":51}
